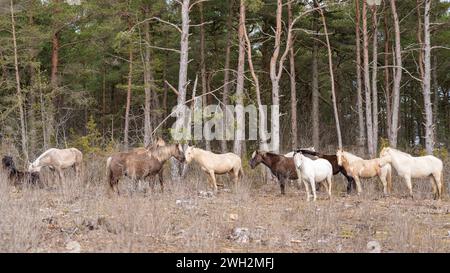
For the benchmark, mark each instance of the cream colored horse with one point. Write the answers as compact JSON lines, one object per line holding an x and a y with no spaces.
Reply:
{"x":213,"y":164}
{"x":58,"y":160}
{"x":358,"y":167}
{"x":409,"y":167}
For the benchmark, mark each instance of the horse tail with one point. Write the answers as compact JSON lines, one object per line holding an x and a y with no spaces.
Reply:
{"x":443,"y":188}
{"x":240,"y":173}
{"x":389,"y":177}
{"x":108,"y":175}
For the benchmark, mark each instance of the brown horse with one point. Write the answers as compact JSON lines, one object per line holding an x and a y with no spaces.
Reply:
{"x":141,"y":165}
{"x":282,"y":167}
{"x":336,"y":167}
{"x":19,"y":178}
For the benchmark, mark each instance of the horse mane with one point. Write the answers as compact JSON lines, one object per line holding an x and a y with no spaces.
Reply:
{"x":43,"y":154}
{"x":348,"y":156}
{"x":310,"y":152}
{"x":400,"y":152}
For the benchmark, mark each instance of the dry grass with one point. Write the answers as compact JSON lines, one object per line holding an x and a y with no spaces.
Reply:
{"x":180,"y":219}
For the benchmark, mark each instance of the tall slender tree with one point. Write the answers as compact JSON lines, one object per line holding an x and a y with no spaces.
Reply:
{"x":397,"y":79}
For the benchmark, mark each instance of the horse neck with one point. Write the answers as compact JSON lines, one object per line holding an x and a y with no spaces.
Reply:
{"x":164,"y":152}
{"x":350,"y":157}
{"x":268,"y":160}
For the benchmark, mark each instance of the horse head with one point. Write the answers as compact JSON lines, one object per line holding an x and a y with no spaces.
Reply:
{"x":298,"y":158}
{"x":385,"y":151}
{"x":33,"y":167}
{"x":179,"y":154}
{"x":257,"y":157}
{"x":189,"y":153}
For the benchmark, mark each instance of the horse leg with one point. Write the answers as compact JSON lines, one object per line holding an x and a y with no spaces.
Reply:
{"x":330,"y":182}
{"x":60,"y":176}
{"x":409,"y":185}
{"x":312,"y":182}
{"x":350,"y":181}
{"x":433,"y":186}
{"x":382,"y":177}
{"x":236,"y":179}
{"x":213,"y":181}
{"x":437,"y":185}
{"x":305,"y":182}
{"x":282,"y":185}
{"x":160,"y":176}
{"x":358,"y":184}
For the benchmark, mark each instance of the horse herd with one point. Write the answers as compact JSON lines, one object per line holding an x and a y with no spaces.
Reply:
{"x":303,"y":165}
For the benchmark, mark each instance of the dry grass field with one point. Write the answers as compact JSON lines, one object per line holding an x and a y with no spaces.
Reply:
{"x":80,"y":216}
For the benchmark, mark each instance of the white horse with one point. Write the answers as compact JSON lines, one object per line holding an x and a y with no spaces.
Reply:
{"x":313,"y":171}
{"x":213,"y":164}
{"x":57,"y":160}
{"x":409,"y":167}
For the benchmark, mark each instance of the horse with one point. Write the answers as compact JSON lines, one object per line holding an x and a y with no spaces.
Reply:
{"x":142,"y":150}
{"x":141,"y":165}
{"x":17,"y":177}
{"x":409,"y":167}
{"x":336,"y":167}
{"x":58,"y":160}
{"x":358,"y":167}
{"x":282,"y":167}
{"x":212,"y":164}
{"x":313,"y":171}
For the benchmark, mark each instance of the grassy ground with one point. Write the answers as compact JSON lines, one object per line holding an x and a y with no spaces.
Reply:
{"x":182,"y":219}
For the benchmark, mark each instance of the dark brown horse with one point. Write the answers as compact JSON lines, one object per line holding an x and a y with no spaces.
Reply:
{"x":336,"y":168}
{"x":141,"y":165}
{"x":19,"y":178}
{"x":282,"y":167}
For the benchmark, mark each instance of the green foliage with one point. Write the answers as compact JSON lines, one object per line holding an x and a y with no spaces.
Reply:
{"x":91,"y":142}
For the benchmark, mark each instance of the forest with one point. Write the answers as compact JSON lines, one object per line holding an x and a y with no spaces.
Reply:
{"x":97,"y":74}
{"x":88,"y":84}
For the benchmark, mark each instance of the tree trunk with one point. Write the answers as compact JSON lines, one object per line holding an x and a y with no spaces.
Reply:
{"x":374,"y":80}
{"x":18,"y":88}
{"x":262,"y":115}
{"x":429,"y":133}
{"x":315,"y":97}
{"x":333,"y":92}
{"x":294,"y":134}
{"x":368,"y":94}
{"x":275,"y":75}
{"x":203,"y":67}
{"x":436,"y":98}
{"x":148,"y":82}
{"x":359,"y":101}
{"x":240,"y":129}
{"x":387,"y":86}
{"x":397,"y":79}
{"x":226,"y":76}
{"x":128,"y":102}
{"x":182,"y":76}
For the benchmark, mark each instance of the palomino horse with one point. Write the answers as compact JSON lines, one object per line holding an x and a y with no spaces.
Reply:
{"x":58,"y":160}
{"x":212,"y":164}
{"x":19,"y":178}
{"x":313,"y":171}
{"x":334,"y":163}
{"x":409,"y":167}
{"x":141,"y":165}
{"x":282,"y":167}
{"x":358,"y":167}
